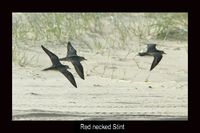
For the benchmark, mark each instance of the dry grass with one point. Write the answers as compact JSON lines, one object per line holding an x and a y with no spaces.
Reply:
{"x":99,"y":32}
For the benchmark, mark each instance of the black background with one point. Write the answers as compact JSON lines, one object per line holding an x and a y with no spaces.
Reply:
{"x":94,"y":6}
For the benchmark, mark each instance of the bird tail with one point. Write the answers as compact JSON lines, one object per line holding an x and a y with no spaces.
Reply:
{"x":62,"y":59}
{"x":142,"y":54}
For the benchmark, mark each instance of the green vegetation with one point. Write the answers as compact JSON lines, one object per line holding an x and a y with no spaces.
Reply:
{"x":95,"y":31}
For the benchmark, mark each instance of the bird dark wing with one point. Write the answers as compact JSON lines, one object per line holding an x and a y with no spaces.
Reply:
{"x":156,"y":60}
{"x":68,"y":75}
{"x":151,"y":47}
{"x":70,"y":50}
{"x":52,"y":56}
{"x":78,"y":67}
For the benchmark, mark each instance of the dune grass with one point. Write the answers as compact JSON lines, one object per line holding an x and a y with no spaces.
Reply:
{"x":98,"y":32}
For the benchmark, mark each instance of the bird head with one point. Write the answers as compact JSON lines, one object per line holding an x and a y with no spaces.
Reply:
{"x":82,"y":58}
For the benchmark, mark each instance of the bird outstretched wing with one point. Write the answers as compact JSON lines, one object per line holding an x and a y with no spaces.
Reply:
{"x":52,"y":56}
{"x":156,"y":60}
{"x":70,"y":50}
{"x":68,"y":75}
{"x":151,"y":47}
{"x":78,"y":67}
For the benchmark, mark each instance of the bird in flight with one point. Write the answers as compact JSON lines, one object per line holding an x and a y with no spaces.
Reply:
{"x":74,"y":59}
{"x":152,"y":51}
{"x":56,"y":65}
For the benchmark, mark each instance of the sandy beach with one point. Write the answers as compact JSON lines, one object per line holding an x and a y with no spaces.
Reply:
{"x":118,"y":84}
{"x":115,"y":86}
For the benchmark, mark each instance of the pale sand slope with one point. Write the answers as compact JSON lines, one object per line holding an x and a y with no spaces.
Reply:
{"x":114,"y":88}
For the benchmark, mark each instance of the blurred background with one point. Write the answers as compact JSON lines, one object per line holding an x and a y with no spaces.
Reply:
{"x":95,"y":32}
{"x":118,"y":84}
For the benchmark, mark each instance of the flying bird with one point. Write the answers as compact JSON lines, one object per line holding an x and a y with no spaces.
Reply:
{"x":56,"y":65}
{"x":74,"y":59}
{"x":152,"y":51}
